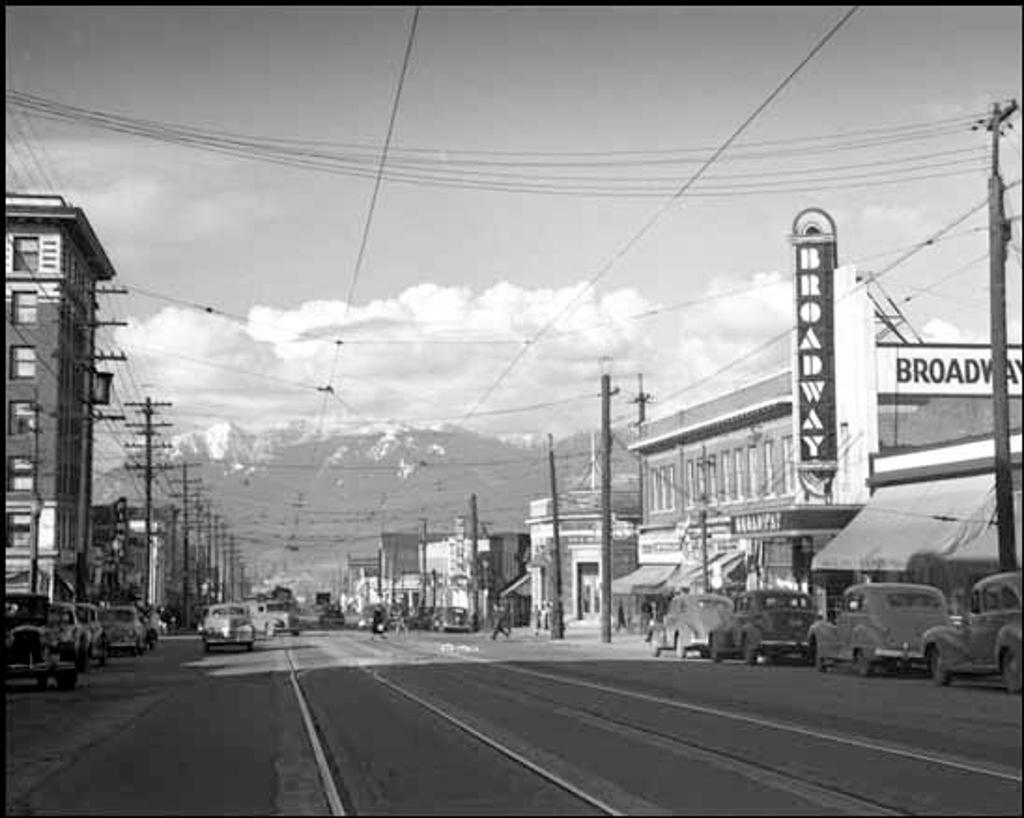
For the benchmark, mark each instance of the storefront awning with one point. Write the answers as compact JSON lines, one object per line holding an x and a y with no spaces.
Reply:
{"x":521,"y":586}
{"x":976,"y":539}
{"x":900,"y":521}
{"x":647,"y":579}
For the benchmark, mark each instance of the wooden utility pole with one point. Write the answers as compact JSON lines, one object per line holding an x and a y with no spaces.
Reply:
{"x":186,"y":564}
{"x":423,"y":562}
{"x":148,"y":431}
{"x":702,"y":468}
{"x":557,"y":613}
{"x":474,"y":580}
{"x":641,"y":400}
{"x":999,"y":233}
{"x":606,"y":508}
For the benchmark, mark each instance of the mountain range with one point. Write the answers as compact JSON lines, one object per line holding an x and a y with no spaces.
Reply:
{"x":298,"y":501}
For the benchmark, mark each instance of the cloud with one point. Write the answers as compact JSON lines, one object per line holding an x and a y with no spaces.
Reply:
{"x":428,"y":355}
{"x":939,"y":331}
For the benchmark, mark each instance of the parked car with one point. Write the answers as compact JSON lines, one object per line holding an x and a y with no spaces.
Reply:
{"x":987,"y":642}
{"x":452,"y":619}
{"x":228,"y":624}
{"x":39,"y":641}
{"x":422,"y":619}
{"x":80,"y":634}
{"x":89,"y":616}
{"x":879,"y":624}
{"x":765,"y":623}
{"x":332,"y":617}
{"x":124,"y":629}
{"x":688,"y":621}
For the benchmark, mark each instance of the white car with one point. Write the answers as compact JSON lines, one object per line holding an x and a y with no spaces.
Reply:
{"x":228,"y":624}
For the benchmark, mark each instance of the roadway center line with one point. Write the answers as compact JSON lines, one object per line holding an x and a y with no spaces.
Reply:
{"x":330,"y":790}
{"x":853,"y":741}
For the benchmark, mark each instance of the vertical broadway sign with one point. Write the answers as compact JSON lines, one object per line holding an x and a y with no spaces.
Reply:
{"x":815,"y":241}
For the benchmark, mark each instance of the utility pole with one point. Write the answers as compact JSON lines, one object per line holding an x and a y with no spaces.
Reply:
{"x":474,"y":578}
{"x":186,"y":564}
{"x":999,"y":234}
{"x":606,"y":507}
{"x":702,"y":468}
{"x":557,"y":614}
{"x":148,"y":430}
{"x":641,"y":401}
{"x":423,"y":562}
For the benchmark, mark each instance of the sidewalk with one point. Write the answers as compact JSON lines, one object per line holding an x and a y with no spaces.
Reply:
{"x":583,"y":635}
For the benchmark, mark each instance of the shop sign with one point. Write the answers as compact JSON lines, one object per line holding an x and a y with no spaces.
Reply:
{"x":944,"y":369}
{"x":814,"y":238}
{"x":788,"y":520}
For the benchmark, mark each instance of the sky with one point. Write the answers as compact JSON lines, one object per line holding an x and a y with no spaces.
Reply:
{"x":526,"y":236}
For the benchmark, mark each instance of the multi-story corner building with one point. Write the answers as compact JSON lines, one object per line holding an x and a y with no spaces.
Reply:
{"x":54,"y":262}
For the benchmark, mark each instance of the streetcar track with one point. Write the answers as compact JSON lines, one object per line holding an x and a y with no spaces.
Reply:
{"x":508,"y":752}
{"x":859,"y":742}
{"x":828,"y":797}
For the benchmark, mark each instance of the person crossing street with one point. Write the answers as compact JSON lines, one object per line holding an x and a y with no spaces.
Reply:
{"x":503,"y":624}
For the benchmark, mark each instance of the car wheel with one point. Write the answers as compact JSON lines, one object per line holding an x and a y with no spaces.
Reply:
{"x":248,"y":646}
{"x":862,"y":664}
{"x":1009,"y":666}
{"x":66,"y":680}
{"x":937,"y":667}
{"x":749,"y":652}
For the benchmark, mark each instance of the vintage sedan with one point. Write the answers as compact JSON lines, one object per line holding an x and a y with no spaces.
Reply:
{"x":228,"y":624}
{"x":770,"y":624}
{"x":688,"y":621}
{"x":987,"y":641}
{"x":39,"y":641}
{"x":124,"y":629}
{"x":880,"y":624}
{"x":452,"y":619}
{"x":89,"y":616}
{"x":78,"y":632}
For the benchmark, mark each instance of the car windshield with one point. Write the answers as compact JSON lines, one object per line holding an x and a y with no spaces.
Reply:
{"x":28,"y":609}
{"x":232,"y":610}
{"x":914,"y":599}
{"x":714,"y":604}
{"x":277,"y":606}
{"x":786,"y":601}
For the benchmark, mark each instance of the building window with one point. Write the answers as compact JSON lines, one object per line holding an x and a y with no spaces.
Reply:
{"x":670,"y":488}
{"x":22,"y":417}
{"x":755,"y":489}
{"x":20,"y":474}
{"x":23,"y":362}
{"x":691,"y":486}
{"x":728,"y":484}
{"x":741,"y":475}
{"x":788,"y":467}
{"x":663,"y":488}
{"x":712,"y":486}
{"x":26,"y":254}
{"x":23,"y":307}
{"x":769,"y":468}
{"x":19,"y":529}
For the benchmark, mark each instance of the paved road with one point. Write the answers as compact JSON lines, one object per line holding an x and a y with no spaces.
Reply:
{"x":460,"y":724}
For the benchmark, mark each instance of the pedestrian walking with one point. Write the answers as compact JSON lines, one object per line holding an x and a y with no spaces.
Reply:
{"x":377,"y":624}
{"x":401,"y":623}
{"x":622,"y":618}
{"x":503,"y":624}
{"x":646,"y":617}
{"x":537,"y":620}
{"x":547,"y":616}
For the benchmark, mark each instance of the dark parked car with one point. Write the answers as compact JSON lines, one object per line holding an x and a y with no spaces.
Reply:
{"x":771,"y":624}
{"x":987,"y":642}
{"x":40,"y":641}
{"x":422,"y":620}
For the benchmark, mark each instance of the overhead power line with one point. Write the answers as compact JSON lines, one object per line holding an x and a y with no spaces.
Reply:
{"x":656,"y":216}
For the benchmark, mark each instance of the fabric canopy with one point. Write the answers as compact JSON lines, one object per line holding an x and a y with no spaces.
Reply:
{"x":898,"y":522}
{"x":522,"y":586}
{"x":647,"y":579}
{"x":976,"y":539}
